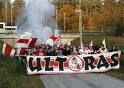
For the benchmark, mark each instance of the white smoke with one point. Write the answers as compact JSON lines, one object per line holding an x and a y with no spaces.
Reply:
{"x":35,"y":18}
{"x":27,"y":2}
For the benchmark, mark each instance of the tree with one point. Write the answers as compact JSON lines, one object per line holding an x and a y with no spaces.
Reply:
{"x":5,"y":9}
{"x":113,"y":14}
{"x":71,"y":21}
{"x":1,"y":8}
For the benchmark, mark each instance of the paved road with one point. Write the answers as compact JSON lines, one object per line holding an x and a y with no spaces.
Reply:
{"x":81,"y":81}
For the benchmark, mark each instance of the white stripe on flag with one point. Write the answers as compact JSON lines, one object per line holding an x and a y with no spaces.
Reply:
{"x":4,"y":45}
{"x":12,"y":53}
{"x":22,"y":43}
{"x":8,"y":50}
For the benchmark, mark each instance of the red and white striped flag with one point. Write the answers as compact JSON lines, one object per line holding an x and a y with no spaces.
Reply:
{"x":56,"y":40}
{"x":53,"y":37}
{"x":32,"y":42}
{"x":22,"y":43}
{"x":8,"y":50}
{"x":20,"y":51}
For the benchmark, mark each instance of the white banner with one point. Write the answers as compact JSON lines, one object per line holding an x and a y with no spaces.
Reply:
{"x":73,"y":63}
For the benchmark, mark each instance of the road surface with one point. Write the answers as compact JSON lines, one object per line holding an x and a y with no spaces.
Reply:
{"x":81,"y":81}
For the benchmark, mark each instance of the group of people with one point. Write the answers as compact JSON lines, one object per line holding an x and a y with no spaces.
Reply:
{"x":64,"y":50}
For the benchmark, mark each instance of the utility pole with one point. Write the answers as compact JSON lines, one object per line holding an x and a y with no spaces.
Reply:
{"x":57,"y":28}
{"x":6,"y":21}
{"x":56,"y":18}
{"x":11,"y":12}
{"x":103,"y":15}
{"x":64,"y":21}
{"x":80,"y":25}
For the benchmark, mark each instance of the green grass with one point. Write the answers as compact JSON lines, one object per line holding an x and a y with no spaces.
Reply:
{"x":97,"y":40}
{"x":110,"y":40}
{"x":12,"y":74}
{"x":118,"y":73}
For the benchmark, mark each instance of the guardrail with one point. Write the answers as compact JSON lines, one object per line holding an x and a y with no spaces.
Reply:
{"x":89,"y":33}
{"x":7,"y":29}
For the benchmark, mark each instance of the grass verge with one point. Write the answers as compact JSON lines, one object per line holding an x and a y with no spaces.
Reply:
{"x":120,"y":72}
{"x":12,"y":75}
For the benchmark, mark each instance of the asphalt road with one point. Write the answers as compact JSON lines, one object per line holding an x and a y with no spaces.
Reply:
{"x":81,"y":81}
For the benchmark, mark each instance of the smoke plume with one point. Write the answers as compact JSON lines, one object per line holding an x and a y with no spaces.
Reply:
{"x":36,"y":18}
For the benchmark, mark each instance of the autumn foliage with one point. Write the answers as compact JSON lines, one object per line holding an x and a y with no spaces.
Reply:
{"x":108,"y":19}
{"x":95,"y":16}
{"x":68,"y":18}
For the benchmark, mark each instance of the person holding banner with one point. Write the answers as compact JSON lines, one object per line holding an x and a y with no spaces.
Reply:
{"x":113,"y":49}
{"x":91,"y":50}
{"x":102,"y":49}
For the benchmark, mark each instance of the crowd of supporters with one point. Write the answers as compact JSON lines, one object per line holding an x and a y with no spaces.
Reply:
{"x":47,"y":50}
